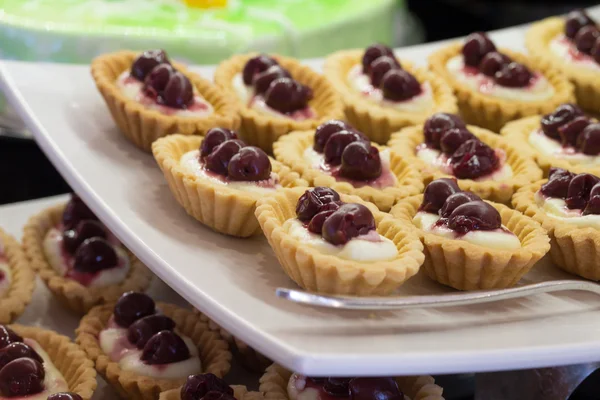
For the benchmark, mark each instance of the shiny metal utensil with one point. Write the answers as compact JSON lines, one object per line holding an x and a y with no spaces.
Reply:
{"x":440,"y":300}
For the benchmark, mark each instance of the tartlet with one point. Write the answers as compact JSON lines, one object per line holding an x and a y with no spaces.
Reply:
{"x":376,"y":120}
{"x":142,"y":125}
{"x":240,"y":392}
{"x":262,"y":130}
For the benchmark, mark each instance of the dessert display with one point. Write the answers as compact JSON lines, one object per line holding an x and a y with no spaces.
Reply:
{"x":335,"y":243}
{"x":494,"y":86}
{"x":80,"y":260}
{"x":383,"y":94}
{"x":280,"y":384}
{"x":208,"y":386}
{"x":218,"y":178}
{"x":566,"y":138}
{"x":567,"y":205}
{"x":483,"y":162}
{"x":149,"y":97}
{"x":571,"y":45}
{"x":143,"y":348}
{"x":470,"y":243}
{"x":276,"y":95}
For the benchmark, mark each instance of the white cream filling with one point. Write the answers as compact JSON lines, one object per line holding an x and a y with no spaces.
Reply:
{"x":567,"y":51}
{"x":495,"y":239}
{"x":554,"y":148}
{"x":53,"y":250}
{"x":557,"y":208}
{"x":541,"y":89}
{"x":369,"y":247}
{"x":132,"y":88}
{"x":362,"y":84}
{"x":190,"y":161}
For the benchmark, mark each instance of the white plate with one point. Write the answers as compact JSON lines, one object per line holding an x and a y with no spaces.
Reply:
{"x":233,"y":280}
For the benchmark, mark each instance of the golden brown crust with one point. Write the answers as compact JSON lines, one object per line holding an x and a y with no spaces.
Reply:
{"x":466,"y":266}
{"x":71,"y":293}
{"x":524,"y":168}
{"x":225,"y":210}
{"x":492,"y":112}
{"x":573,"y":248}
{"x":66,"y":356}
{"x":239,"y":392}
{"x":262,"y":130}
{"x":537,"y":41}
{"x":290,"y":151}
{"x":377,"y":121}
{"x":322,"y":273}
{"x":141,"y":125}
{"x":275,"y":380}
{"x":213,"y":351}
{"x":18,"y":294}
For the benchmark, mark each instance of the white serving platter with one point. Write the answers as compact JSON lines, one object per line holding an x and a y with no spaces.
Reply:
{"x":233,"y":280}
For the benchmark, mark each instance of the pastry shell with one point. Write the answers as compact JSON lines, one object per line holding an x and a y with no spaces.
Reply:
{"x":525,"y":170}
{"x":573,"y":248}
{"x":375,"y":120}
{"x":69,"y":292}
{"x":239,"y":392}
{"x":290,"y":151}
{"x":318,"y":272}
{"x":214,"y":353}
{"x":262,"y":130}
{"x":225,"y":210}
{"x":493,"y":112}
{"x":466,"y":266}
{"x":586,"y":82}
{"x":18,"y":294}
{"x":142,"y":125}
{"x":70,"y":360}
{"x":275,"y":380}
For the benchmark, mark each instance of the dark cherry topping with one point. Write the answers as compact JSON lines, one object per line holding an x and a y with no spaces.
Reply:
{"x":165,"y":347}
{"x":157,"y":80}
{"x":8,"y":336}
{"x":563,"y":114}
{"x":313,"y":200}
{"x":579,"y":190}
{"x":380,"y":67}
{"x":595,"y":52}
{"x":372,"y":53}
{"x":588,"y":142}
{"x":65,"y":396}
{"x":316,"y":223}
{"x":18,"y":350}
{"x":287,"y":95}
{"x":255,"y":66}
{"x":399,"y":85}
{"x":337,"y":143}
{"x":249,"y":164}
{"x":514,"y":75}
{"x":21,"y":377}
{"x":76,"y":211}
{"x":218,"y":160}
{"x":493,"y":62}
{"x":436,"y":125}
{"x":179,"y":92}
{"x":558,"y":183}
{"x":263,"y":80}
{"x":436,"y":193}
{"x":143,"y":329}
{"x":95,"y":254}
{"x":348,"y":221}
{"x":213,"y":138}
{"x":576,"y":20}
{"x":87,"y":229}
{"x":133,"y":306}
{"x":325,"y":130}
{"x":453,"y":138}
{"x":146,"y":62}
{"x":474,"y":216}
{"x":197,"y":386}
{"x":593,"y":205}
{"x":586,"y":38}
{"x":473,"y":159}
{"x":381,"y":388}
{"x":361,"y":161}
{"x":476,"y":46}
{"x":455,"y":200}
{"x":570,"y":131}
{"x":338,"y":387}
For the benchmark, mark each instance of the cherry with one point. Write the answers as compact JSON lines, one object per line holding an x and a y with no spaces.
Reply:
{"x":179,"y":92}
{"x":338,"y":387}
{"x":18,"y":350}
{"x":218,"y":160}
{"x":493,"y":62}
{"x":375,"y":388}
{"x":95,"y":254}
{"x":453,"y":138}
{"x":287,"y":95}
{"x":157,"y":80}
{"x":579,"y":190}
{"x":380,"y":67}
{"x":197,"y":386}
{"x":133,"y":306}
{"x":8,"y":336}
{"x":593,"y":206}
{"x":595,"y":52}
{"x":473,"y":159}
{"x":143,"y":329}
{"x":146,"y":62}
{"x":476,"y":46}
{"x":474,"y":215}
{"x":325,"y":130}
{"x":455,"y":200}
{"x":213,"y":138}
{"x":372,"y":53}
{"x":558,"y":183}
{"x":348,"y":221}
{"x":316,"y":223}
{"x":21,"y":377}
{"x":256,"y":65}
{"x":249,"y":164}
{"x":586,"y":38}
{"x":399,"y":85}
{"x":436,"y":193}
{"x":589,"y":139}
{"x":334,"y":147}
{"x":75,"y":211}
{"x":65,"y":396}
{"x":86,"y":229}
{"x":165,"y":347}
{"x":436,"y":125}
{"x":513,"y":75}
{"x":570,"y":131}
{"x":576,"y":20}
{"x":361,"y":161}
{"x":563,"y":114}
{"x":311,"y":202}
{"x":263,"y":80}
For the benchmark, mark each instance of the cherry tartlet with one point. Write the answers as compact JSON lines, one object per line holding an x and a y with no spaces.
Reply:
{"x":207,"y":387}
{"x":17,"y":279}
